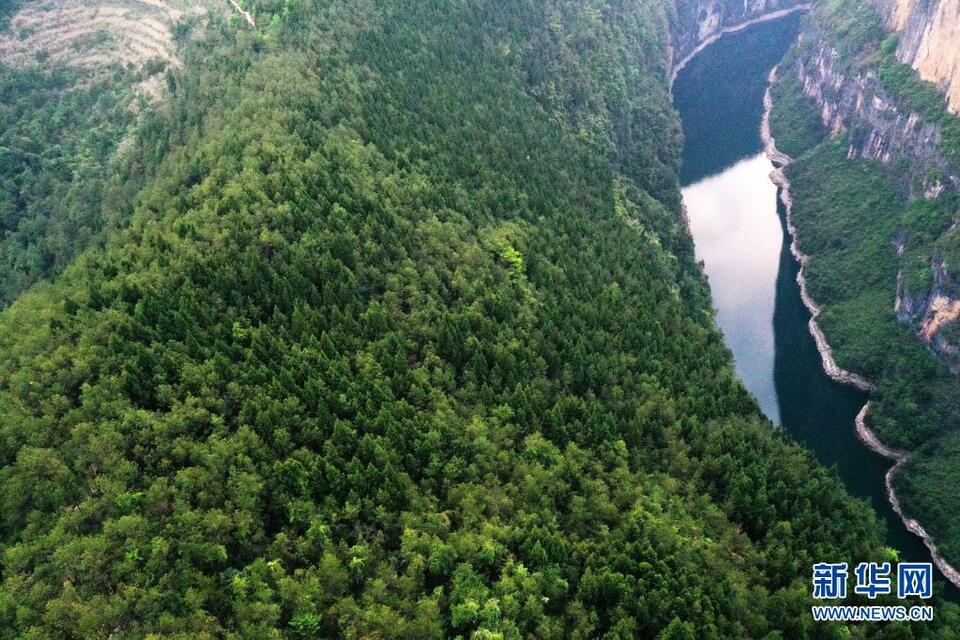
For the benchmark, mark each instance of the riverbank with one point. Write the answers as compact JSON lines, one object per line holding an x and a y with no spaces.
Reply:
{"x":676,"y":68}
{"x":780,"y":161}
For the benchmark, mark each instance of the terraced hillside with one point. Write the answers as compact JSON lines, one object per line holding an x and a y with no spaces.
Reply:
{"x":77,"y":79}
{"x":90,"y":34}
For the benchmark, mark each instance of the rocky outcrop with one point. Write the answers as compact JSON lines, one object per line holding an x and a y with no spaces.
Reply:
{"x":932,"y":310}
{"x":698,"y":23}
{"x":866,"y":435}
{"x":878,"y":128}
{"x":929,"y":40}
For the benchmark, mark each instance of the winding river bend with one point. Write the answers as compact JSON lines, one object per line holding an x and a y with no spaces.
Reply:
{"x":738,"y":227}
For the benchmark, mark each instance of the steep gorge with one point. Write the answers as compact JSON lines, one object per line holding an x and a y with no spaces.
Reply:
{"x":697,"y":23}
{"x":875,"y":191}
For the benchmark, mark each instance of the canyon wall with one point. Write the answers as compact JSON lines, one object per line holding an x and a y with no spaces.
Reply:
{"x":700,"y":22}
{"x":853,"y":101}
{"x":929,"y":40}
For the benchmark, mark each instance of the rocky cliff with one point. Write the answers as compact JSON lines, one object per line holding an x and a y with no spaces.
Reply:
{"x":929,"y":40}
{"x":880,"y":123}
{"x":697,"y":23}
{"x":855,"y":102}
{"x":933,"y":311}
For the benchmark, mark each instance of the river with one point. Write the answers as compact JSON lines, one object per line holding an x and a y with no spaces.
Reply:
{"x":739,"y":233}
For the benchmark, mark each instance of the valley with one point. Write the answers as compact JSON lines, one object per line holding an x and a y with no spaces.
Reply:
{"x":366,"y":319}
{"x":741,"y":228}
{"x":874,"y":187}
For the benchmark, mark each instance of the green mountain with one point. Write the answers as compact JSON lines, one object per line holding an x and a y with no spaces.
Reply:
{"x":876,"y":208}
{"x":399,"y":334}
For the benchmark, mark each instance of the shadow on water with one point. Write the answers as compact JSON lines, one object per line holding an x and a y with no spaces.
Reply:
{"x":720,"y":99}
{"x":819,"y":413}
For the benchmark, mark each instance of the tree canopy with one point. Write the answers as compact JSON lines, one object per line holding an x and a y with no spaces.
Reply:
{"x":403,"y":337}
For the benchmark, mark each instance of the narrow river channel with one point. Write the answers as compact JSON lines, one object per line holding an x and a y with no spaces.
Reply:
{"x":740,"y":237}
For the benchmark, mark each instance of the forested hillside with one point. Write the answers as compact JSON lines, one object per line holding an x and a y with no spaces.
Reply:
{"x":403,"y":338}
{"x":58,"y":134}
{"x":78,"y":79}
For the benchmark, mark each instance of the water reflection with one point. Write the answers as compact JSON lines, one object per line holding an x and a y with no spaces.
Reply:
{"x":737,"y":230}
{"x":733,"y":217}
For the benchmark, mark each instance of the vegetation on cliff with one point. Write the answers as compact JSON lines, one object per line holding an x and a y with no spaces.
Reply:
{"x":797,"y":125}
{"x":870,"y":245}
{"x":403,"y":338}
{"x":857,"y":32}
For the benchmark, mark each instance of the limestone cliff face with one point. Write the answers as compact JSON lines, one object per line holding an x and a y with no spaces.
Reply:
{"x":700,"y":21}
{"x":878,"y":128}
{"x":933,"y":311}
{"x":852,"y":100}
{"x":929,"y":40}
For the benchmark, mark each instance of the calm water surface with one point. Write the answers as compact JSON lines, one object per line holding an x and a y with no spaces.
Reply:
{"x":739,"y":235}
{"x":733,"y":218}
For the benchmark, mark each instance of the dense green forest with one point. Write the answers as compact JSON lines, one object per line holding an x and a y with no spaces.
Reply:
{"x":59,"y":133}
{"x":402,"y":337}
{"x":853,"y":217}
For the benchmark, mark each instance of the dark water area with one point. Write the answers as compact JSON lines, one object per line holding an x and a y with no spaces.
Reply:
{"x":738,"y":228}
{"x":719,"y":95}
{"x":819,"y":413}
